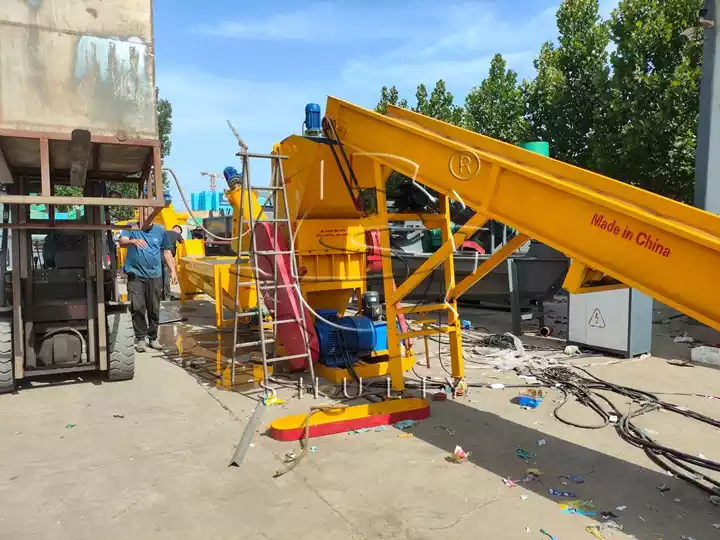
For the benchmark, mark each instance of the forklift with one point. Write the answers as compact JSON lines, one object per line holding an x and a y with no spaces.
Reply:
{"x":60,"y":310}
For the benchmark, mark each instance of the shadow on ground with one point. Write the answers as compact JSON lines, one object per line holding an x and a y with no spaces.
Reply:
{"x":493,"y":440}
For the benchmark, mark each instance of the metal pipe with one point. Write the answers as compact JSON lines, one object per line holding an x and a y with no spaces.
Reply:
{"x":707,"y":162}
{"x":242,"y":446}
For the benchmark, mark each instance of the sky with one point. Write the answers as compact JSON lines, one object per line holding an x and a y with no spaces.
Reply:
{"x":258,"y":63}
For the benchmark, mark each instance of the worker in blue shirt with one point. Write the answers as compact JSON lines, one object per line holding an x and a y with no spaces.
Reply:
{"x":143,"y":265}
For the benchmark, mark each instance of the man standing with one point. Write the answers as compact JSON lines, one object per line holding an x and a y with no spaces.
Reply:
{"x":145,"y":249}
{"x":175,"y":238}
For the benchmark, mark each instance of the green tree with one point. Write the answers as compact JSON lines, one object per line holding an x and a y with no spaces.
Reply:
{"x":652,"y":111}
{"x":565,"y":101}
{"x":390,"y":97}
{"x":439,"y":104}
{"x":496,"y":108}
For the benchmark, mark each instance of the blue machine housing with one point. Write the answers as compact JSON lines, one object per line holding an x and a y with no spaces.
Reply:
{"x":358,"y":338}
{"x":313,"y":119}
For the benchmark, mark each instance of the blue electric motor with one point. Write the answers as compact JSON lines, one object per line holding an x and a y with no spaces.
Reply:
{"x":313,"y":120}
{"x":232,"y":177}
{"x":358,"y":338}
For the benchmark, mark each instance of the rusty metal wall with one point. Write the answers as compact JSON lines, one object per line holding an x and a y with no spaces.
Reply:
{"x":67,"y":64}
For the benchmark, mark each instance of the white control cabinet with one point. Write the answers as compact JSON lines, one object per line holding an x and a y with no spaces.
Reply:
{"x":618,"y":322}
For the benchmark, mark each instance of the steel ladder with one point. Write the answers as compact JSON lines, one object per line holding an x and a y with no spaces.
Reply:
{"x":264,"y":284}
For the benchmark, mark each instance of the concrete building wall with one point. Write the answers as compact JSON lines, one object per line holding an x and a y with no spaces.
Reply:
{"x":67,"y":64}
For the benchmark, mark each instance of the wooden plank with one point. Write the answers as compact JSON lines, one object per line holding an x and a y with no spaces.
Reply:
{"x":45,"y":167}
{"x":91,"y":201}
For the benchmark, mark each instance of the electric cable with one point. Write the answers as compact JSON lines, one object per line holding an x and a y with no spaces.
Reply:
{"x":586,"y":389}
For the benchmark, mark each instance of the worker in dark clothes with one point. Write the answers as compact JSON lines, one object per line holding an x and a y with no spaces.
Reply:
{"x":175,"y":238}
{"x":143,"y":266}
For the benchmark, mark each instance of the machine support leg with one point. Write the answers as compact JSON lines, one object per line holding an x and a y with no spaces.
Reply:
{"x":514,"y":288}
{"x":217,"y":286}
{"x":456,"y":357}
{"x":397,"y":377}
{"x":541,"y":313}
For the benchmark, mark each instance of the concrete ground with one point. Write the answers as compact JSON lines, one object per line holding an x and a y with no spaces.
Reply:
{"x":84,"y":459}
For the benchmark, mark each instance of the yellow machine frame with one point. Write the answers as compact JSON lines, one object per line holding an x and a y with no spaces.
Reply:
{"x":617,"y":235}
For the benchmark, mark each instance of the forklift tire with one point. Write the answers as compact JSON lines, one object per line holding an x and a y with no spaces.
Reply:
{"x":121,"y":347}
{"x":7,"y":376}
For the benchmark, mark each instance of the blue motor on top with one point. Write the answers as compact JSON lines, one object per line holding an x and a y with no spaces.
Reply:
{"x":347,"y":339}
{"x":313,"y":120}
{"x":232,"y":176}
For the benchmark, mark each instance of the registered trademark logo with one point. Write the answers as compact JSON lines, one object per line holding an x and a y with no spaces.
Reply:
{"x":464,"y":165}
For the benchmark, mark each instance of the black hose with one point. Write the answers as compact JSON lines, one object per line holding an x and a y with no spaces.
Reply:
{"x":585,"y":389}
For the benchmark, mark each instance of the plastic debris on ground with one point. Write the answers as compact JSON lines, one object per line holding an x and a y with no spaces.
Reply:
{"x":571,"y":350}
{"x":687,"y":537}
{"x":360,"y":430}
{"x":289,"y":456}
{"x":531,"y":398}
{"x":70,"y":426}
{"x":566,"y":479}
{"x":606,"y":514}
{"x":405,"y":424}
{"x":313,"y":449}
{"x":684,"y":338}
{"x":715,"y":499}
{"x":621,"y":508}
{"x":405,"y":436}
{"x":461,"y":389}
{"x":497,"y":386}
{"x":677,"y":500}
{"x":466,"y":325}
{"x":381,"y":428}
{"x":599,"y":531}
{"x":542,"y":442}
{"x":528,"y":529}
{"x":524,"y":497}
{"x":460,"y":455}
{"x":273,"y":400}
{"x":116,"y":415}
{"x":705,"y":355}
{"x":450,"y":431}
{"x":524,"y":454}
{"x":544,"y":532}
{"x":716,"y":525}
{"x":578,"y":507}
{"x":558,"y":493}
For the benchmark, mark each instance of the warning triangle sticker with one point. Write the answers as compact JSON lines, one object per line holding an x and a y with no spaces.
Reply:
{"x":596,"y":319}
